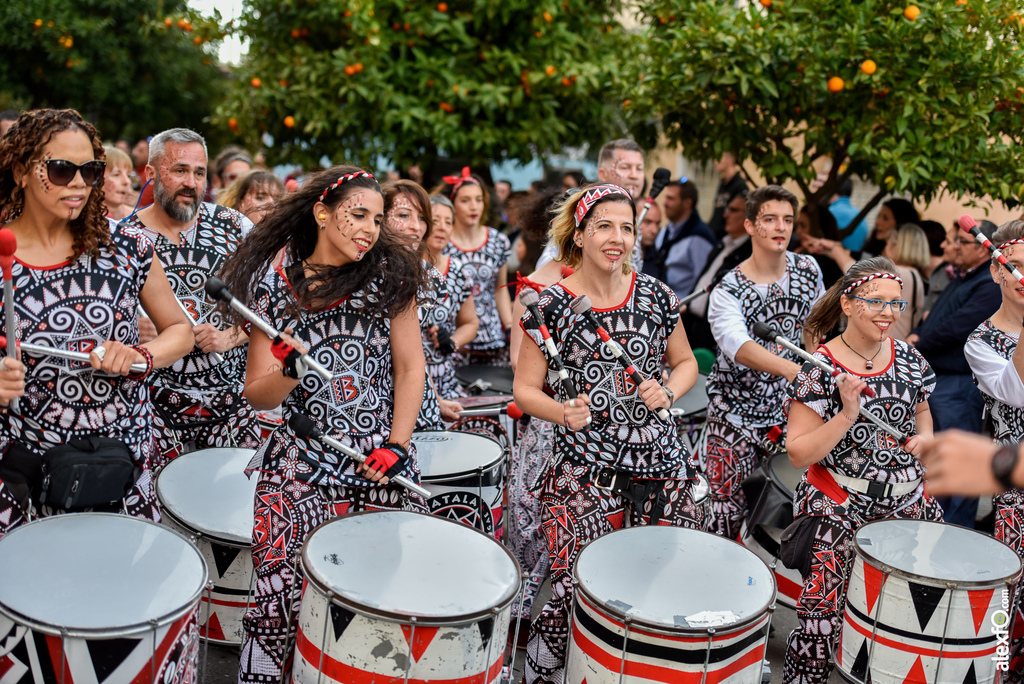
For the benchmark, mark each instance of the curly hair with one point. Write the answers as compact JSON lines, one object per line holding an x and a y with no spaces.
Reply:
{"x":535,"y":212}
{"x":415,"y":193}
{"x":23,"y":143}
{"x":290,"y":226}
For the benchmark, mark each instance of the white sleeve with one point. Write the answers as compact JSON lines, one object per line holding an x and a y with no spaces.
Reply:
{"x":729,"y":328}
{"x":995,"y":375}
{"x":550,"y":253}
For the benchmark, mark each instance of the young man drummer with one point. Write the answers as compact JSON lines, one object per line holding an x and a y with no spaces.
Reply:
{"x":748,"y":382}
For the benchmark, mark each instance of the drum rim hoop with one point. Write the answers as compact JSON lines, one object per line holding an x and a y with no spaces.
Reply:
{"x":111,"y":632}
{"x":200,"y":534}
{"x":771,"y":475}
{"x":767,"y":609}
{"x":461,"y":474}
{"x":321,"y":586}
{"x":876,"y":563}
{"x":168,"y":509}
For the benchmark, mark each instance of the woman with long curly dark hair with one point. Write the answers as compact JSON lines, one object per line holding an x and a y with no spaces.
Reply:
{"x":78,"y":286}
{"x":348,"y":289}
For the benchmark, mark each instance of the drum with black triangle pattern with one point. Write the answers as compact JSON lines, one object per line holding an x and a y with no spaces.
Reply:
{"x":393,"y":597}
{"x":926,"y":604}
{"x":206,"y":495}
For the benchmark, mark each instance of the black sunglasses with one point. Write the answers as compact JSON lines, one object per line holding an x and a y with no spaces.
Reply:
{"x":61,"y":171}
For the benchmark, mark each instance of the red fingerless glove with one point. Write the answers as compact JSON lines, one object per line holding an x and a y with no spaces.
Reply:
{"x":390,"y":459}
{"x":290,"y":358}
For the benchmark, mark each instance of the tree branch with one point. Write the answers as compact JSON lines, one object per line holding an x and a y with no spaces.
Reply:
{"x":852,"y":226}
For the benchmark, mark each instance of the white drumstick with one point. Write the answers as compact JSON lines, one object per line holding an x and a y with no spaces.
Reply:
{"x":216,"y":356}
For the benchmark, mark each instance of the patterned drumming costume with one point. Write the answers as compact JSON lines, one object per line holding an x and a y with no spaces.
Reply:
{"x":865,"y":452}
{"x":482,"y":265}
{"x":429,"y":417}
{"x":458,"y":286}
{"x":989,"y":352}
{"x":744,"y":403}
{"x":199,"y":402}
{"x":78,"y":305}
{"x":624,"y":436}
{"x":300,"y":484}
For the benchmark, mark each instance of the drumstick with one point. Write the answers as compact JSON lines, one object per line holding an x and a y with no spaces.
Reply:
{"x":216,"y":288}
{"x":968,"y":225}
{"x":529,"y":299}
{"x":40,"y":350}
{"x":581,"y":306}
{"x":188,"y":317}
{"x":8,"y":246}
{"x":662,"y":177}
{"x":305,"y":428}
{"x":510,"y":409}
{"x":766,"y":332}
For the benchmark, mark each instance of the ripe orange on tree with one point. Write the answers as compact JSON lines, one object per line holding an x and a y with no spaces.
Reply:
{"x":868,"y":66}
{"x":835,"y":84}
{"x":289,"y":121}
{"x":912,"y":12}
{"x":255,"y":82}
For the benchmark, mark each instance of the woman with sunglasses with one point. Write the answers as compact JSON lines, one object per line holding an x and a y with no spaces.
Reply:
{"x":856,"y":473}
{"x":79,"y":281}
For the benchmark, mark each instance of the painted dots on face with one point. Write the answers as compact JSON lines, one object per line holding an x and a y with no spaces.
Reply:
{"x":41,"y":173}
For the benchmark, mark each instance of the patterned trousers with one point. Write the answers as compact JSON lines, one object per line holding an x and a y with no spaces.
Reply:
{"x":183,"y":423}
{"x":574,"y":513}
{"x":285,"y":513}
{"x":1010,"y":531}
{"x":811,"y":645}
{"x":731,"y":454}
{"x":525,"y":539}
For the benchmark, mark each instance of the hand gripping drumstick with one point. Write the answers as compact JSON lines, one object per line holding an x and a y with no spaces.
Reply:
{"x":41,"y":350}
{"x":529,"y":299}
{"x":767,"y":333}
{"x":216,"y":288}
{"x":581,"y":306}
{"x":8,"y":246}
{"x":968,"y":225}
{"x":188,"y":317}
{"x":305,"y":428}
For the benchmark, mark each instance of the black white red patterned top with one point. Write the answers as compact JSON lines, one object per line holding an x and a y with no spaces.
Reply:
{"x":866,"y":451}
{"x":482,"y":266}
{"x":745,"y":396}
{"x":356,"y":407}
{"x":457,"y":286}
{"x":624,"y":434}
{"x":429,"y":417}
{"x":78,"y":305}
{"x":204,"y":248}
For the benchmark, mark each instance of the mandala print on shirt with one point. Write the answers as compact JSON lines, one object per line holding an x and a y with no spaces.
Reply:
{"x":482,"y":266}
{"x":456,"y":289}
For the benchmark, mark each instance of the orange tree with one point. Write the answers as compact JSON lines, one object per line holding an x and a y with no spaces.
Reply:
{"x":916,"y":99}
{"x":407,"y":80}
{"x":133,"y":67}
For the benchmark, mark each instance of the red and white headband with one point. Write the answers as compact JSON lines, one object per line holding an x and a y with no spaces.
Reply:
{"x":591,"y":197}
{"x":874,"y":276}
{"x":458,"y":181}
{"x":346,"y":177}
{"x":1011,"y":243}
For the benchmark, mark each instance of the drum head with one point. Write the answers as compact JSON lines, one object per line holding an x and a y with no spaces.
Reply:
{"x":660,"y":576}
{"x":208,"y":492}
{"x":694,"y":401}
{"x":96,"y":573}
{"x":784,"y":473}
{"x":444,"y":454}
{"x":936,"y":553}
{"x":397,"y":565}
{"x":493,"y":379}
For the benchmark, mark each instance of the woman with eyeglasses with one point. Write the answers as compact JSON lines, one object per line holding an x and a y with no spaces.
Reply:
{"x":856,"y":473}
{"x":79,"y":281}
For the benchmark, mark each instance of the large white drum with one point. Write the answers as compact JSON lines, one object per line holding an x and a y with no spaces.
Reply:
{"x":464,"y":474}
{"x":392,"y":597}
{"x":926,"y":603}
{"x":97,"y":597}
{"x":206,"y":495}
{"x":667,"y":604}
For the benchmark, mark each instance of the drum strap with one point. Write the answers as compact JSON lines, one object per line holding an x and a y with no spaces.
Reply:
{"x":822,"y":479}
{"x":635,"y":490}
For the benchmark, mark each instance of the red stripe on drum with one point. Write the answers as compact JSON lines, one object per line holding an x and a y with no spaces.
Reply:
{"x":788,"y":587}
{"x":910,"y":647}
{"x":170,"y":639}
{"x":340,"y":672}
{"x":656,"y":673}
{"x":55,"y":647}
{"x":231,"y":604}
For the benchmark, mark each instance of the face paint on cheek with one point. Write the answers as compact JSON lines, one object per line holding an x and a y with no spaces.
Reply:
{"x":759,"y":227}
{"x":43,"y":175}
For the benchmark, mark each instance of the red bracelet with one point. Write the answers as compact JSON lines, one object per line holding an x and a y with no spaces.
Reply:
{"x":148,"y":356}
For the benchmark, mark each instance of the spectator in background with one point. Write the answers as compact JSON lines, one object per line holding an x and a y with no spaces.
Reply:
{"x":7,"y":119}
{"x":732,"y":184}
{"x":894,"y":213}
{"x":502,"y":189}
{"x":226,"y":167}
{"x":254,"y":194}
{"x":682,"y":248}
{"x":117,"y":184}
{"x":845,"y":213}
{"x":572,"y":179}
{"x":815,"y":223}
{"x":727,"y":254}
{"x":943,"y":253}
{"x":649,"y":230}
{"x":908,"y":249}
{"x":970,"y":298}
{"x":124,"y":145}
{"x":140,"y":155}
